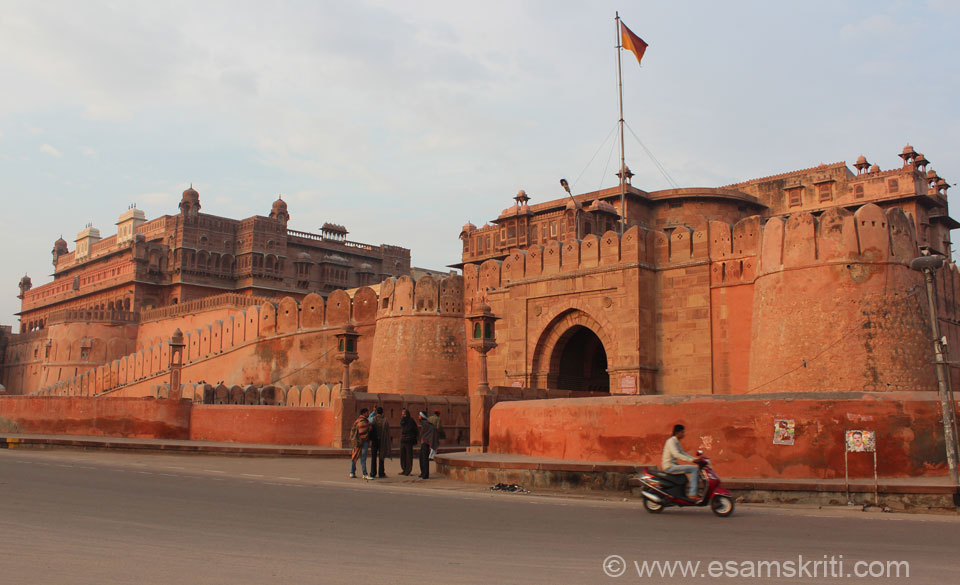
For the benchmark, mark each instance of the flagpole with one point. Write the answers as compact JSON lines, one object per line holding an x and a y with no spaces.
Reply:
{"x":622,"y":174}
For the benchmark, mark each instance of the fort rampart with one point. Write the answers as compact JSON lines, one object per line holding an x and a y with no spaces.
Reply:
{"x":796,"y":304}
{"x":290,"y":342}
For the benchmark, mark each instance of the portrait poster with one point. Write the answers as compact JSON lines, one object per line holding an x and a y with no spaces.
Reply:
{"x":783,"y":431}
{"x":861,"y":441}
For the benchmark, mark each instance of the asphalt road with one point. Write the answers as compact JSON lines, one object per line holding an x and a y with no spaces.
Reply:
{"x":81,"y":518}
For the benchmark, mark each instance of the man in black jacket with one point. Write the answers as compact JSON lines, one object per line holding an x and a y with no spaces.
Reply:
{"x":408,"y":438}
{"x":380,"y":443}
{"x":428,"y":443}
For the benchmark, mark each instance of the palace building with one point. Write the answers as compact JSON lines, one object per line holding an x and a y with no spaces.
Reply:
{"x":192,"y":255}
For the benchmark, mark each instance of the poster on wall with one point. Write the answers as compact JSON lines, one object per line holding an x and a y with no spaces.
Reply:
{"x":516,"y":384}
{"x":861,"y":441}
{"x":783,"y":431}
{"x":628,"y":385}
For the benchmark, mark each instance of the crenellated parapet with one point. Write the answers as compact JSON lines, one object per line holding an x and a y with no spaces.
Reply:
{"x":637,"y":247}
{"x":233,"y":329}
{"x":868,"y":235}
{"x":425,"y":296}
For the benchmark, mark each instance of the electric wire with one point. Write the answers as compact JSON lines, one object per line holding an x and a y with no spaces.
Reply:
{"x":592,"y":158}
{"x":660,"y":167}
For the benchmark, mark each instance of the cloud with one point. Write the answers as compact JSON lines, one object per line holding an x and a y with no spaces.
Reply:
{"x":88,"y":151}
{"x":50,"y":150}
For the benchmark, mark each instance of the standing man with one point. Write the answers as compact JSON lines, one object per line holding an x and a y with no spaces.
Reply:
{"x":360,"y":434}
{"x":380,"y":443}
{"x":408,"y":438}
{"x":674,"y":456}
{"x":428,"y":442}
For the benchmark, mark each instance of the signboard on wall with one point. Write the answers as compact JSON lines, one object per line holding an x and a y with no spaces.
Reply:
{"x":784,"y":431}
{"x":861,"y":441}
{"x":516,"y":384}
{"x":628,"y":384}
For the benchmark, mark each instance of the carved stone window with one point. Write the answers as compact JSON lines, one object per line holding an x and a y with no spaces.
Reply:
{"x":825,"y":191}
{"x":794,"y":197}
{"x":893,"y":185}
{"x":858,"y":191}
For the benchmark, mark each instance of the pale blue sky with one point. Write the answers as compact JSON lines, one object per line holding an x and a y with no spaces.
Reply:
{"x":404,"y":120}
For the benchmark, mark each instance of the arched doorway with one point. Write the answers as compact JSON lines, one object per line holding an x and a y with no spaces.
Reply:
{"x":579,"y":361}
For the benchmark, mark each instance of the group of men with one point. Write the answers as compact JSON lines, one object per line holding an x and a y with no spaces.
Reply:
{"x":370,"y":433}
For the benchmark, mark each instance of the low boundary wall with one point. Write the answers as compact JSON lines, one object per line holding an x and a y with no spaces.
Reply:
{"x":736,"y":432}
{"x":119,"y":417}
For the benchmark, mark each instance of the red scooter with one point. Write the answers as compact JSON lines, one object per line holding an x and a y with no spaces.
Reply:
{"x":661,"y":490}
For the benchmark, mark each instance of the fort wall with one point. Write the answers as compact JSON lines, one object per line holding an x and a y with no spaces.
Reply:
{"x":779,"y":305}
{"x":295,"y":342}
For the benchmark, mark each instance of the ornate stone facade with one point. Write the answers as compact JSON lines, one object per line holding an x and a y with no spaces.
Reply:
{"x":192,"y":255}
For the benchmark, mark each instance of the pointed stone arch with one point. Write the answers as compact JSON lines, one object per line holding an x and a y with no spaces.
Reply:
{"x":555,"y":338}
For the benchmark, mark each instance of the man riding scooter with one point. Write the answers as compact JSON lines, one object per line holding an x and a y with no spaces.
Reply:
{"x":672,"y":462}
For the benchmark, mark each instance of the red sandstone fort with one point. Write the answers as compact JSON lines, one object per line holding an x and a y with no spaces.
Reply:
{"x":699,"y":305}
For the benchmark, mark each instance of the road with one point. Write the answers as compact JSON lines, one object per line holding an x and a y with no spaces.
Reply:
{"x":72,"y":517}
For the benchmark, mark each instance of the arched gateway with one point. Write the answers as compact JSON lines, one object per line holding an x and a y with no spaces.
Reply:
{"x":571,"y":354}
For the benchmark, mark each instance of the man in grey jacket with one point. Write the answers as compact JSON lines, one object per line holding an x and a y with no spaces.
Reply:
{"x":673,"y":458}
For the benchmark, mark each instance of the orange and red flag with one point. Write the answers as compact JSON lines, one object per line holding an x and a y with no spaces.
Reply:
{"x":632,"y":42}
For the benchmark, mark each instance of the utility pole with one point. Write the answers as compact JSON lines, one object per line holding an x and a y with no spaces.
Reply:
{"x":927,"y":265}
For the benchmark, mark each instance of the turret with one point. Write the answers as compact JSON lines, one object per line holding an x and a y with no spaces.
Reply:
{"x":190,"y":203}
{"x":25,"y":285}
{"x":279,"y":211}
{"x":59,"y":249}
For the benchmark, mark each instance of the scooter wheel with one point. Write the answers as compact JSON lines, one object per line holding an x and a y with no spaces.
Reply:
{"x":651,"y":506}
{"x":722,"y":506}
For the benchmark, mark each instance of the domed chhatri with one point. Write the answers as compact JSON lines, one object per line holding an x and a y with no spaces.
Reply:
{"x":279,"y":210}
{"x":190,"y":202}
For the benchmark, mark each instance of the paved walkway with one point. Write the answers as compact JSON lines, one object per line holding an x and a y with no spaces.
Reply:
{"x":456,"y":457}
{"x":506,"y":462}
{"x":14,"y":440}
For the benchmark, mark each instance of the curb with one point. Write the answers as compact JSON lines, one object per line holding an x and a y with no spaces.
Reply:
{"x":196,"y":448}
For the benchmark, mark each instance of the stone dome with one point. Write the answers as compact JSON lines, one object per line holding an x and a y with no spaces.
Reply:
{"x":861,"y":160}
{"x":875,"y":169}
{"x":468,"y":227}
{"x":279,"y":205}
{"x":191,"y":195}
